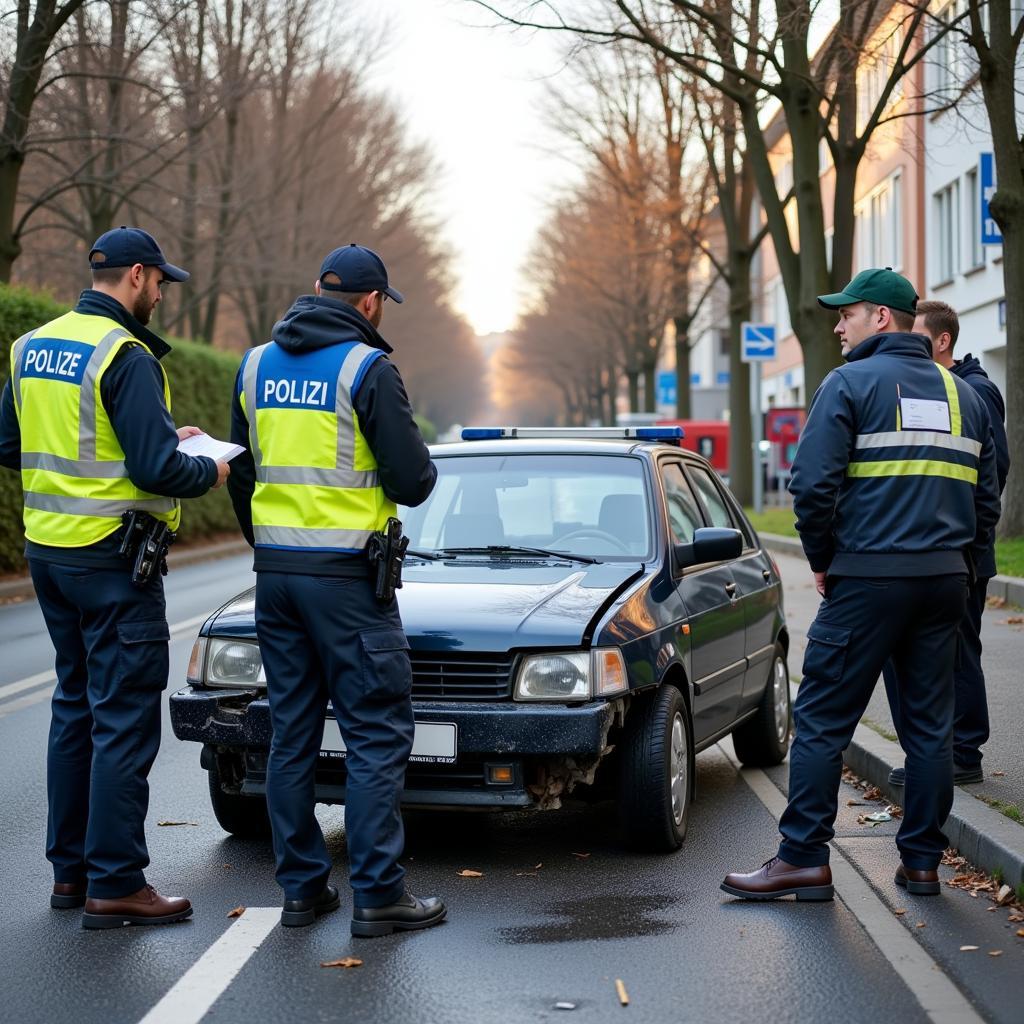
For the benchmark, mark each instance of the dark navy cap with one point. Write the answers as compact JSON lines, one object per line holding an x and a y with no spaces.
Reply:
{"x":124,"y":247}
{"x":360,"y":270}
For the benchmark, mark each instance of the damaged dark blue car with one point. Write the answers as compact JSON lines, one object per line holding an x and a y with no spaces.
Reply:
{"x":586,"y":610}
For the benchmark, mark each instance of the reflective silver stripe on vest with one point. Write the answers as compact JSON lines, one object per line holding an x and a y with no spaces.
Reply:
{"x":87,"y":394}
{"x":343,"y":405}
{"x":113,"y":470}
{"x":93,"y":506}
{"x":252,"y":369}
{"x":16,"y":349}
{"x":912,"y":438}
{"x":316,"y":477}
{"x":298,"y":537}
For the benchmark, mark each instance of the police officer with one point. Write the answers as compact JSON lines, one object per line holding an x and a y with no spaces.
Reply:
{"x":86,"y":418}
{"x":894,"y":481}
{"x":940,"y":324}
{"x":334,"y":448}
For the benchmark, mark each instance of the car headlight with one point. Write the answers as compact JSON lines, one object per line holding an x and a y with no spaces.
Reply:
{"x":226,"y":663}
{"x":572,"y":675}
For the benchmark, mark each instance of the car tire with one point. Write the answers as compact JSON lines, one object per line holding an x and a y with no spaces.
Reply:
{"x":242,"y":816}
{"x":763,"y":740}
{"x":656,"y":772}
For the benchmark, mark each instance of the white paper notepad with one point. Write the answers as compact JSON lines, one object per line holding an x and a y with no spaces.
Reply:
{"x":203,"y":444}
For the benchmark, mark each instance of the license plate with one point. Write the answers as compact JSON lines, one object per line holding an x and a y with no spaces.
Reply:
{"x":433,"y":743}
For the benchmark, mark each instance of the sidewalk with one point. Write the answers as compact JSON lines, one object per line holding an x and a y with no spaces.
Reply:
{"x":18,"y":587}
{"x":988,"y":838}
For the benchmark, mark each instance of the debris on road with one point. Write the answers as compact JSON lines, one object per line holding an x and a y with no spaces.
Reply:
{"x":168,"y":823}
{"x":581,"y":856}
{"x":469,"y":873}
{"x":237,"y":912}
{"x":621,"y":990}
{"x":565,"y":1006}
{"x":345,"y":961}
{"x":1004,"y":896}
{"x":968,"y":949}
{"x":920,"y":924}
{"x":900,"y":912}
{"x":995,"y":952}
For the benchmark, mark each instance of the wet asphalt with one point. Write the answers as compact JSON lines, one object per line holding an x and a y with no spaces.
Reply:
{"x":561,"y":911}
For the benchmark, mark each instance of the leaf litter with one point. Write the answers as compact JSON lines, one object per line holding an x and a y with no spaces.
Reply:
{"x":345,"y":961}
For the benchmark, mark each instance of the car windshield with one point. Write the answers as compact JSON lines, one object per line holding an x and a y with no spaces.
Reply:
{"x":595,"y":505}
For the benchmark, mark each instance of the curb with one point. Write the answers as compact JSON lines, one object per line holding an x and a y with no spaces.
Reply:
{"x":1009,"y":588}
{"x":22,"y":586}
{"x":988,"y":839}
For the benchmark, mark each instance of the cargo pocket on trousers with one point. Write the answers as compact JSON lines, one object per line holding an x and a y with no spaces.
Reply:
{"x":387,"y":672}
{"x":826,"y":651}
{"x":142,"y":656}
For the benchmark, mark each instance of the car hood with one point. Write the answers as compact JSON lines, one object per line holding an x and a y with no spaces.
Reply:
{"x":483,"y":606}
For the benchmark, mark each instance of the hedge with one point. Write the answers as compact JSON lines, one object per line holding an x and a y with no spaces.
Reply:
{"x":201,"y":379}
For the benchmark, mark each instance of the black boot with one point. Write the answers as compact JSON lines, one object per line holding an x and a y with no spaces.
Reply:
{"x":405,"y":915}
{"x":297,"y":913}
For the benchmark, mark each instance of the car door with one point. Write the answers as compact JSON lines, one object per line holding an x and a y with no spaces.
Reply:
{"x":708,"y":593}
{"x":757,"y":588}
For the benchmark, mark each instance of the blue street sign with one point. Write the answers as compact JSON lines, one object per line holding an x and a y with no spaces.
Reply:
{"x":758,"y":342}
{"x":695,"y":379}
{"x":722,"y":377}
{"x":990,"y":233}
{"x":666,"y":387}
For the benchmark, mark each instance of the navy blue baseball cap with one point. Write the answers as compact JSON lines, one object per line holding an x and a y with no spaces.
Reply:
{"x":359,"y":269}
{"x":124,"y":247}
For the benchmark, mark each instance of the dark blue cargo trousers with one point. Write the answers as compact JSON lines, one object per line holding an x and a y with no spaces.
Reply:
{"x":861,"y":625}
{"x":111,"y":643}
{"x":326,"y":637}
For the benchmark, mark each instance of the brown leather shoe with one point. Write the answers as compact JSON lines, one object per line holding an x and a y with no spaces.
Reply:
{"x":67,"y":895}
{"x":777,"y":878}
{"x":918,"y":883}
{"x":146,"y":906}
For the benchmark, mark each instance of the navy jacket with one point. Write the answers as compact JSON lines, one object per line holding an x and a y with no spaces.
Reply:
{"x":132,"y":392}
{"x":385,"y":417}
{"x":970,"y":370}
{"x":889,"y":525}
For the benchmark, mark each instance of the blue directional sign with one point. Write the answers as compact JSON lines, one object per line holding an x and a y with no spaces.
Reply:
{"x":758,"y":342}
{"x":990,"y":233}
{"x":666,"y":387}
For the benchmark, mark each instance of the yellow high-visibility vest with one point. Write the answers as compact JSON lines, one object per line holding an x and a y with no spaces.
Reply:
{"x":72,"y":464}
{"x":317,"y":487}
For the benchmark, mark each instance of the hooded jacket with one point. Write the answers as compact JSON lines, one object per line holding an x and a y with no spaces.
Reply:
{"x":970,"y":370}
{"x":856,"y":524}
{"x":385,"y":418}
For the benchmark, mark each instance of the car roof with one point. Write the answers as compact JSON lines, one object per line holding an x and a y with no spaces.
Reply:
{"x":558,"y":446}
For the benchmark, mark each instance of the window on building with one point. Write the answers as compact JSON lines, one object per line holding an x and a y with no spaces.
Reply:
{"x":947,"y":224}
{"x":873,"y":74}
{"x":976,"y":251}
{"x":878,"y":229}
{"x":779,"y":309}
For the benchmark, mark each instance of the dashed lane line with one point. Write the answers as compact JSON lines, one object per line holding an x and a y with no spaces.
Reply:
{"x":44,"y":680}
{"x":940,"y":999}
{"x":192,"y":995}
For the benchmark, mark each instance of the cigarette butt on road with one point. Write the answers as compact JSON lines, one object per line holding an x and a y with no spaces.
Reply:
{"x":621,"y":990}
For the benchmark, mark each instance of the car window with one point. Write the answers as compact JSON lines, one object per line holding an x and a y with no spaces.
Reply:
{"x":683,"y":513}
{"x":718,"y":511}
{"x":596,"y":505}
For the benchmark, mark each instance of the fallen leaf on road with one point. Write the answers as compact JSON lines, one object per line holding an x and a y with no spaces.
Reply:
{"x":581,"y":856}
{"x":227,"y":866}
{"x":873,"y":793}
{"x":621,"y":989}
{"x":991,"y":910}
{"x":527,"y":874}
{"x":237,"y":912}
{"x":177,"y":823}
{"x":1015,"y":917}
{"x":920,"y":924}
{"x":467,"y":873}
{"x":537,"y":867}
{"x":900,"y":912}
{"x":998,"y":774}
{"x":1004,"y":896}
{"x":995,"y":952}
{"x":967,"y":949}
{"x":345,"y":961}
{"x":996,"y":602}
{"x":1014,"y":620}
{"x":854,"y":803}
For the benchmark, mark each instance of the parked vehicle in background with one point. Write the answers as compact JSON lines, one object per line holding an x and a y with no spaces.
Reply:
{"x":708,"y":438}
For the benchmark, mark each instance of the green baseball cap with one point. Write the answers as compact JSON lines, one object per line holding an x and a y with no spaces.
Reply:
{"x":881,"y":287}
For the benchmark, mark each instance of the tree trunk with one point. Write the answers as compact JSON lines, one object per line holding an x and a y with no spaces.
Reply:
{"x":741,"y":461}
{"x":650,"y":387}
{"x":633,"y":389}
{"x":682,"y":368}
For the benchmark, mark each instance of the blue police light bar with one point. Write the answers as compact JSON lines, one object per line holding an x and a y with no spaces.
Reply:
{"x":667,"y":434}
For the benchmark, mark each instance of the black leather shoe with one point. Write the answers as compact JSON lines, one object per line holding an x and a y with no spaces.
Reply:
{"x":961,"y":776}
{"x":918,"y":882}
{"x":297,"y":913}
{"x":406,"y":915}
{"x":67,"y":895}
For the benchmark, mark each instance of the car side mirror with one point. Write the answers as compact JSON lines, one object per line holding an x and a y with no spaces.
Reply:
{"x":710,"y":544}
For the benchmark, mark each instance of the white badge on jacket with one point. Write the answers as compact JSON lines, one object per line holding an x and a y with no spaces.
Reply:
{"x":924,"y":414}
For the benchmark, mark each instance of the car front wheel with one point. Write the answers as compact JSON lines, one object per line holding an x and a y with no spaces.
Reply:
{"x":656,"y":773}
{"x":242,"y":816}
{"x":763,"y":740}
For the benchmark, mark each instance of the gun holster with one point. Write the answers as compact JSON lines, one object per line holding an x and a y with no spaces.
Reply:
{"x":145,"y":543}
{"x":386,"y":551}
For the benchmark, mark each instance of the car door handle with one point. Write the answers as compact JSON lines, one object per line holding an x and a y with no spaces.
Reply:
{"x":767,"y":575}
{"x":730,"y":589}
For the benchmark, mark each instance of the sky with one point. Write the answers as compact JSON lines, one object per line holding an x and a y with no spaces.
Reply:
{"x":475,"y":93}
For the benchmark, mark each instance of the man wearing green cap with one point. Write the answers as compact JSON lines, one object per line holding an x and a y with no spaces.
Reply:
{"x":894,"y":491}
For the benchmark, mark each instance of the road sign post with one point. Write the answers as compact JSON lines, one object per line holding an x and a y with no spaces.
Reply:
{"x":758,"y":345}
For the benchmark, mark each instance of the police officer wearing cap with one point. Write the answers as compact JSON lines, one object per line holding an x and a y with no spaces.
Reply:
{"x":894,"y":490}
{"x":86,"y":418}
{"x":332,"y":449}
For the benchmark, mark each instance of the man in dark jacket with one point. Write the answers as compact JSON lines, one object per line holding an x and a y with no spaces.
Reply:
{"x":894,"y":480}
{"x":940,"y":324}
{"x":332,"y":450}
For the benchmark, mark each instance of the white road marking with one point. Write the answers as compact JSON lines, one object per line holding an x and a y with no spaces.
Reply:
{"x":208,"y":978}
{"x":940,"y":999}
{"x":49,"y":676}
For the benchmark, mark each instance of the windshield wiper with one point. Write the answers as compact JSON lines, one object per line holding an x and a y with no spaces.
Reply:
{"x":517,"y":549}
{"x":428,"y":556}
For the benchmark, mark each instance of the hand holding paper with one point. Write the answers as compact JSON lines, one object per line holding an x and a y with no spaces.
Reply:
{"x":202,"y":444}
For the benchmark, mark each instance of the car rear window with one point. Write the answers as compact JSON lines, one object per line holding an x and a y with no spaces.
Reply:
{"x":594,"y":505}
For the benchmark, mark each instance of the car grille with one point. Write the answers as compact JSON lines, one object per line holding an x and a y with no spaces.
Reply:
{"x":458,"y":675}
